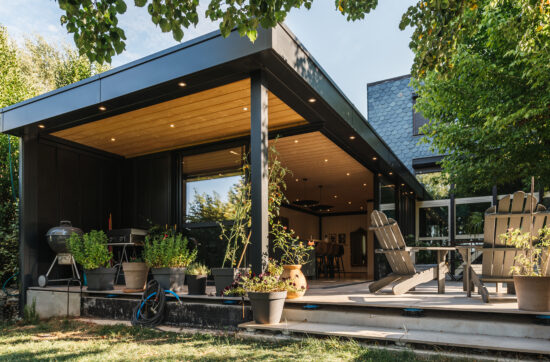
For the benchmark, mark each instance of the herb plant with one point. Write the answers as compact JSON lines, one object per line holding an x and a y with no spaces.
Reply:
{"x":263,"y":283}
{"x":168,"y":250}
{"x":90,"y":250}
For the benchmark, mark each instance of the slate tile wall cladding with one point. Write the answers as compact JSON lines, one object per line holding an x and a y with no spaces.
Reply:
{"x":390,"y":114}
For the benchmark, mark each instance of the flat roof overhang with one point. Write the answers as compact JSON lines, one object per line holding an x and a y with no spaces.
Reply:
{"x":206,"y":62}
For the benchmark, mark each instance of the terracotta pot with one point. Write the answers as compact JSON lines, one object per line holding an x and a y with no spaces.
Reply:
{"x":533,"y":293}
{"x":135,"y":275}
{"x":267,"y":308}
{"x":294,"y":273}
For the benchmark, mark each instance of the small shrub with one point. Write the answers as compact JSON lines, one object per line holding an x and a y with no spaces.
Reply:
{"x":168,"y":251}
{"x":90,"y":250}
{"x":197,"y":269}
{"x":30,"y":315}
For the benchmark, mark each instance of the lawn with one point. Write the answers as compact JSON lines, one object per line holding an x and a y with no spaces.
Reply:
{"x":58,"y":339}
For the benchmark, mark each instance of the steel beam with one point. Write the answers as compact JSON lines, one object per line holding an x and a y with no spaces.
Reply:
{"x":259,"y":144}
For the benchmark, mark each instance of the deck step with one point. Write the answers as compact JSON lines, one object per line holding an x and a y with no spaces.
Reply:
{"x":401,"y":337}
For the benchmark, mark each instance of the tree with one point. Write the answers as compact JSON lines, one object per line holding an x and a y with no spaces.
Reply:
{"x":36,"y":68}
{"x":94,"y":23}
{"x":205,"y":207}
{"x":489,"y":98}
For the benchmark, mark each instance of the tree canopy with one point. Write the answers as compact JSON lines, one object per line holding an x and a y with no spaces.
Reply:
{"x":489,"y":99}
{"x":27,"y":71}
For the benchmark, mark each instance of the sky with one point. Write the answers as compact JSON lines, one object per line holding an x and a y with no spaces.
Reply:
{"x":352,"y":53}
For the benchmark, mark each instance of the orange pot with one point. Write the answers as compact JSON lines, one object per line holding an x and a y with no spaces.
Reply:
{"x":294,"y":273}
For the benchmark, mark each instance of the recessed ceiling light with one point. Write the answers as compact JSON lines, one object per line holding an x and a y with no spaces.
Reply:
{"x":295,"y":141}
{"x":349,"y":202}
{"x":402,"y":184}
{"x":41,"y":126}
{"x":390,"y":173}
{"x":102,"y":108}
{"x":312,"y":100}
{"x":335,"y":196}
{"x":379,"y":175}
{"x":364,"y":184}
{"x":361,"y":207}
{"x":172,"y":125}
{"x":113,"y":139}
{"x":374,"y":158}
{"x":297,"y":180}
{"x":347,"y":173}
{"x":351,"y":137}
{"x":326,"y":159}
{"x":182,"y":84}
{"x":245,"y":108}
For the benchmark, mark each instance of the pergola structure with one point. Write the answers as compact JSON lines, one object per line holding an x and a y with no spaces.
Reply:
{"x":115,"y":143}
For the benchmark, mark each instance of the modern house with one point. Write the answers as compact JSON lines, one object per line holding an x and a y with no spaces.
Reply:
{"x":126,"y":142}
{"x":392,"y":115}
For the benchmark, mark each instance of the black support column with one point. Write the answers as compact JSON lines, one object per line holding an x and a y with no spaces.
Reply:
{"x":259,"y":172}
{"x":28,"y":215}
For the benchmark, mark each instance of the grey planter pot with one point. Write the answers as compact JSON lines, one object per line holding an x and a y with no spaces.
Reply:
{"x":267,"y":308}
{"x":224,"y":277}
{"x":135,"y":275}
{"x":170,"y":278}
{"x":196,"y":284}
{"x":100,"y":278}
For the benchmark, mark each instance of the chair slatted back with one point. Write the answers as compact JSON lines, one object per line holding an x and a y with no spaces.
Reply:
{"x":391,"y":240}
{"x":509,"y":213}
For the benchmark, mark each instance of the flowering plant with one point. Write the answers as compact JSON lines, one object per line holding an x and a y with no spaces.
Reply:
{"x":293,"y":251}
{"x":533,"y":259}
{"x":263,"y":283}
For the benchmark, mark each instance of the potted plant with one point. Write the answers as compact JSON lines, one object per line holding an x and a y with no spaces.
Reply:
{"x":168,"y":254}
{"x":90,"y":250}
{"x":266,"y":292}
{"x":531,"y":270}
{"x":236,"y":236}
{"x":196,"y":278}
{"x":135,"y":273}
{"x":294,"y":254}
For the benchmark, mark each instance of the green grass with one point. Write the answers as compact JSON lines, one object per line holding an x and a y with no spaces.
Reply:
{"x":60,"y":340}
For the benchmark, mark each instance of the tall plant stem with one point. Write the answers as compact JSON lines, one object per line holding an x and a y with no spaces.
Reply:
{"x":244,"y":250}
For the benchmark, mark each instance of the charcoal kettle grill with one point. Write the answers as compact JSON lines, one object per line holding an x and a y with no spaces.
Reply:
{"x":57,"y":238}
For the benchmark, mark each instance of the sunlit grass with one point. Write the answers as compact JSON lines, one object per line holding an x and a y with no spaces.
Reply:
{"x":74,"y":340}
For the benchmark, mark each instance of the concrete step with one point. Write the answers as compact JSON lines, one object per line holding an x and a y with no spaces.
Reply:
{"x":409,"y":336}
{"x":480,"y":324}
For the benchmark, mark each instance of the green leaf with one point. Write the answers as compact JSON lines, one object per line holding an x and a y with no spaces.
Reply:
{"x":140,"y":3}
{"x":121,"y":6}
{"x":177,"y":34}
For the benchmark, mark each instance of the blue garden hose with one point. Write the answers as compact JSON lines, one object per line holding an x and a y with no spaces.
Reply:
{"x":6,"y":283}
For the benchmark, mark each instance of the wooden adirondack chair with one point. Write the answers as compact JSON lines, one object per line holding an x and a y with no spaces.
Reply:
{"x":498,"y":258}
{"x":404,"y":273}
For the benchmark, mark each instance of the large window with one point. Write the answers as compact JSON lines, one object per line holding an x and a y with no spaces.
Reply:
{"x":418,"y":120}
{"x":210,"y":179}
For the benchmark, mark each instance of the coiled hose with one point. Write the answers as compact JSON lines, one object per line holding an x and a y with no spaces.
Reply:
{"x":150,"y":310}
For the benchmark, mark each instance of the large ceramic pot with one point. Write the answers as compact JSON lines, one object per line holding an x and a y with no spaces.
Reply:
{"x":533,"y":293}
{"x":224,"y":277}
{"x":170,"y":278}
{"x":196,"y":284}
{"x":294,"y":273}
{"x":100,"y":278}
{"x":267,"y":308}
{"x":135,"y":275}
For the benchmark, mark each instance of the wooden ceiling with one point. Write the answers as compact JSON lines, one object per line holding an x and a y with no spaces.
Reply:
{"x":312,"y":156}
{"x":347,"y":185}
{"x":208,"y":116}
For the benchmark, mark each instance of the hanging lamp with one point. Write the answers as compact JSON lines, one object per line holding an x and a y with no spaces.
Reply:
{"x":321,"y":207}
{"x":305,"y":202}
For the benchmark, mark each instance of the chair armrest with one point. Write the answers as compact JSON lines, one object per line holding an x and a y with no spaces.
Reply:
{"x":432,"y":248}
